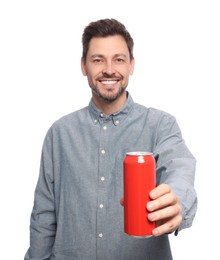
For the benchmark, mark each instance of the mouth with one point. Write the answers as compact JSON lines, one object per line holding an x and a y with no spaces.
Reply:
{"x":109,"y":83}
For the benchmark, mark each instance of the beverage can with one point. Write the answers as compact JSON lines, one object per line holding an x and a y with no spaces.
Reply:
{"x":139,"y":180}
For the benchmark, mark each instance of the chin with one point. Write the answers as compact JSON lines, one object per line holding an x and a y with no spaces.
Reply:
{"x":111,"y":97}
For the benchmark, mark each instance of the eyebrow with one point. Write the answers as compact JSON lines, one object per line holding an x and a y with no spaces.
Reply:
{"x":102,"y":56}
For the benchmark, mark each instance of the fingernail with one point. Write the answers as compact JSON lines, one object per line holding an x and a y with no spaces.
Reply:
{"x":150,"y":206}
{"x":155,"y":232}
{"x":151,"y":217}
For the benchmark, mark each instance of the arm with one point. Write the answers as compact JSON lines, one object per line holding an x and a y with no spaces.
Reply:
{"x":174,"y":200}
{"x":43,"y":220}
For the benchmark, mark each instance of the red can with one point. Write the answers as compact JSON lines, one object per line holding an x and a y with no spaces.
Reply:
{"x":139,"y":180}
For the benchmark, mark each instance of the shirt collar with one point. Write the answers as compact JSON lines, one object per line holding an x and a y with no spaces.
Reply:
{"x":117,"y":117}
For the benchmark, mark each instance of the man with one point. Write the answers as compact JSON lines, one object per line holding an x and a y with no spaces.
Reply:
{"x":77,"y":212}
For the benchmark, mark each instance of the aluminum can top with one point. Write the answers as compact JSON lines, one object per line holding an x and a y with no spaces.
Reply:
{"x":139,"y":153}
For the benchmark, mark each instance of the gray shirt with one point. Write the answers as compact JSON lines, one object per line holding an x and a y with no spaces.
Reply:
{"x":77,"y":212}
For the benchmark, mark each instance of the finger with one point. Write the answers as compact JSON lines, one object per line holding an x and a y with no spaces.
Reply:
{"x":165,"y":213}
{"x":159,"y":191}
{"x":122,"y":201}
{"x":168,"y":227}
{"x":163,"y":201}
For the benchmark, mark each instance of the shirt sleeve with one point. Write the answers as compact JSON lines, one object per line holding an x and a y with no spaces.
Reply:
{"x":43,"y":220}
{"x":176,"y":166}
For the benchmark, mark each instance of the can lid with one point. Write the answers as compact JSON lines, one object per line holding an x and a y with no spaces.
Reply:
{"x":138,"y":153}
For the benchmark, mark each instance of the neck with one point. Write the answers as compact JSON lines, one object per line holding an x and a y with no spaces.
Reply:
{"x":111,"y":107}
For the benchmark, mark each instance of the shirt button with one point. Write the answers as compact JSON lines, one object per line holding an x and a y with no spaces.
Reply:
{"x":105,"y":127}
{"x":101,"y":114}
{"x":102,"y":178}
{"x":101,"y":206}
{"x":103,"y":151}
{"x":100,"y":235}
{"x":95,"y":121}
{"x":116,"y":122}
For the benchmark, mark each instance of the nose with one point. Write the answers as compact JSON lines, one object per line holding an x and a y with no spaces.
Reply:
{"x":108,"y":68}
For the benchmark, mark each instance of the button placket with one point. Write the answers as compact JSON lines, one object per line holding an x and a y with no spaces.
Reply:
{"x":102,"y":181}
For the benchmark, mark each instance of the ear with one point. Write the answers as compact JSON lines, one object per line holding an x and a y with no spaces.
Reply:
{"x":132,"y":66}
{"x":83,"y":67}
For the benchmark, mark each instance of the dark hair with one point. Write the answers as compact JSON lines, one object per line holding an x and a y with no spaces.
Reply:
{"x":104,"y":28}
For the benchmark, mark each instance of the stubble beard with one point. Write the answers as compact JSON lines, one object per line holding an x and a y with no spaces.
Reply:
{"x":109,"y":96}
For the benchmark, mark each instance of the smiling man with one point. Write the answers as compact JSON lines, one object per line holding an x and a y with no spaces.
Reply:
{"x":108,"y":66}
{"x":77,"y":212}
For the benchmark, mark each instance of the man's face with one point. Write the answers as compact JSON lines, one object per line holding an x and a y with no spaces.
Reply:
{"x":108,"y":67}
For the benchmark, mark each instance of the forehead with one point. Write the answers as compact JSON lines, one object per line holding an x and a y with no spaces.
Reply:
{"x":110,"y":45}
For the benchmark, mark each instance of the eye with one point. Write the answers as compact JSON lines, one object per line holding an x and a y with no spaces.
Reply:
{"x":120,"y":60}
{"x":97,"y":60}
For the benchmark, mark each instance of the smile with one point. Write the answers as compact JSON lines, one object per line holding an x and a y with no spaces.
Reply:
{"x":109,"y":82}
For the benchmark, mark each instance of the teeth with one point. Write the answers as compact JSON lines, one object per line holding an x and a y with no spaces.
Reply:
{"x":109,"y":82}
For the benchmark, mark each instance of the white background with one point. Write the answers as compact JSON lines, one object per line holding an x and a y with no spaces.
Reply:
{"x":177,"y":51}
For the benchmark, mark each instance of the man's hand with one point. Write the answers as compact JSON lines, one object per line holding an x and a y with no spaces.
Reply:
{"x":165,"y":209}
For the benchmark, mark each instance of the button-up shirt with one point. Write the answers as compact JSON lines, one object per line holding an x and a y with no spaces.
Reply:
{"x":77,"y":212}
